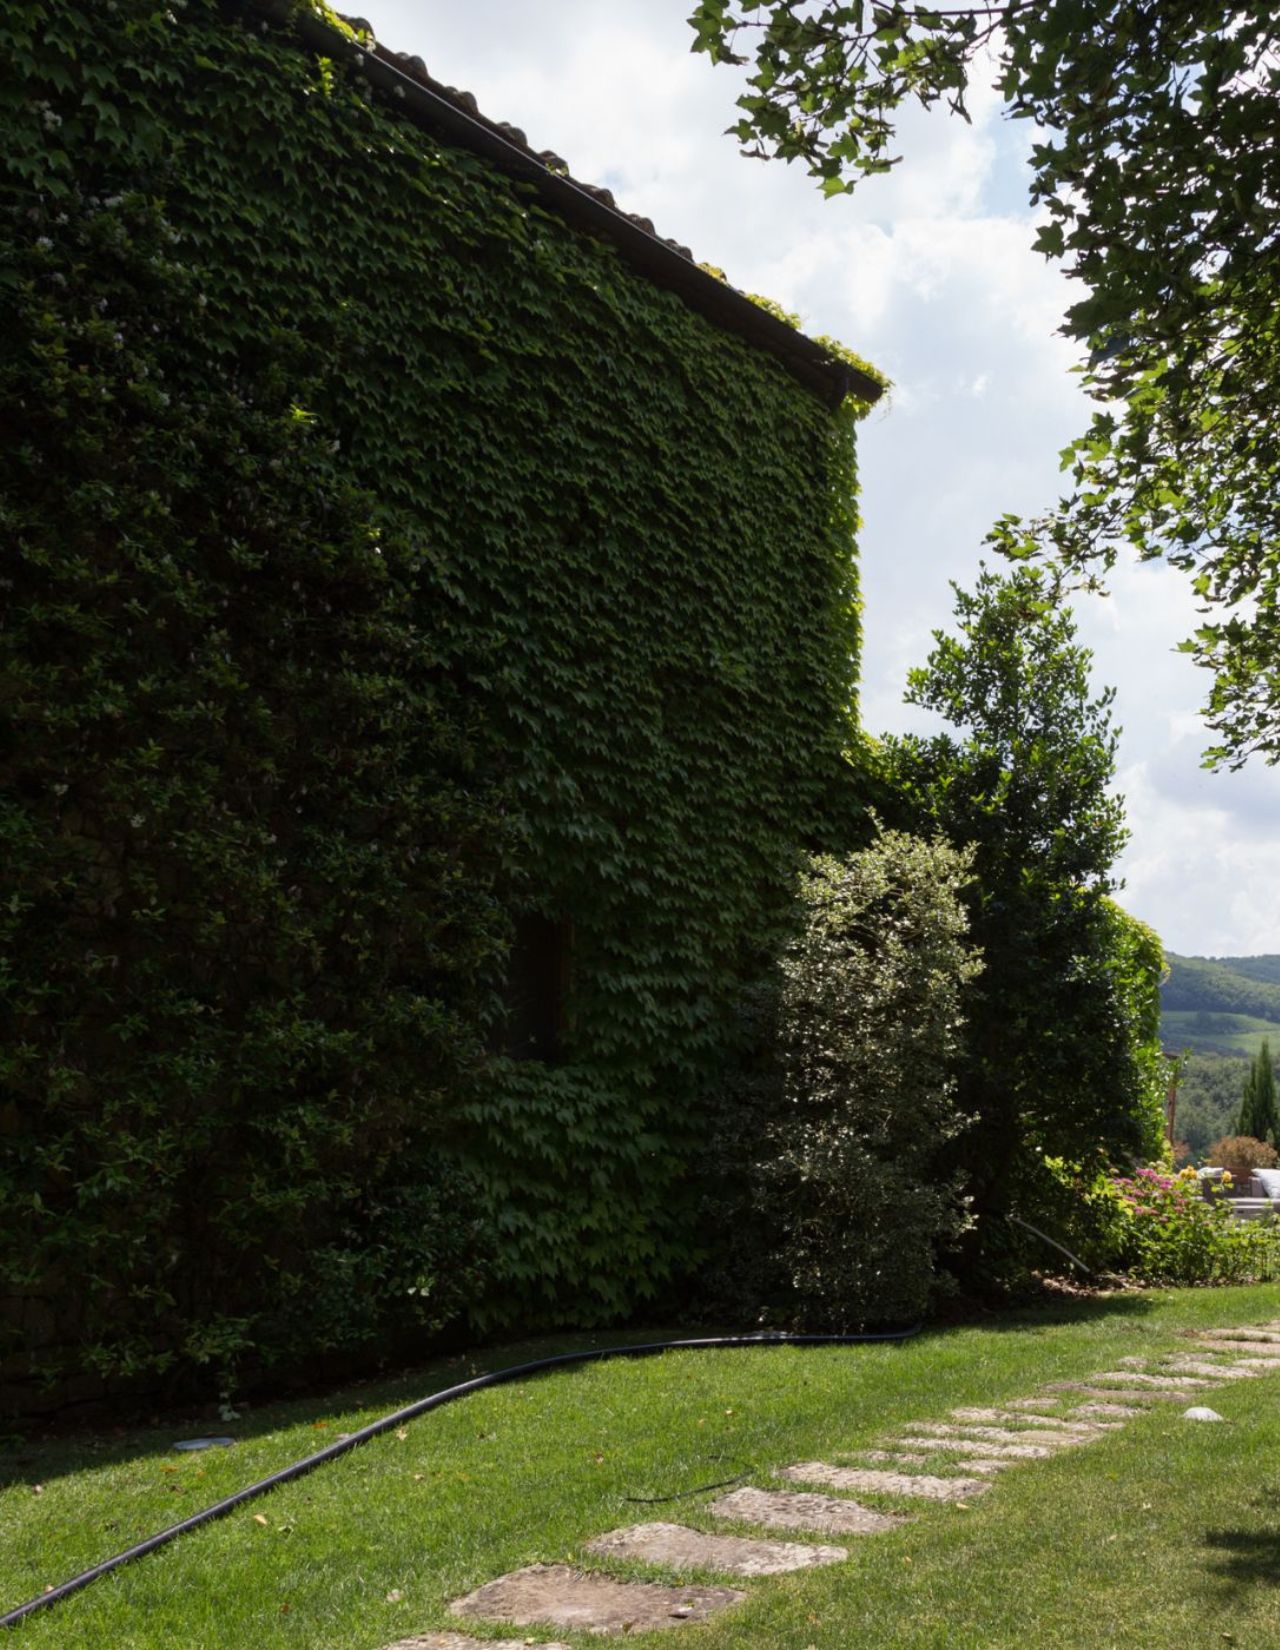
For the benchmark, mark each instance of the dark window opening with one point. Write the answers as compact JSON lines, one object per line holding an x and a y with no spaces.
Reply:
{"x":537,"y":989}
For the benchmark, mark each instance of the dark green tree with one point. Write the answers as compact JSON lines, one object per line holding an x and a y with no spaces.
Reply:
{"x":1156,"y":167}
{"x":1062,"y":1047}
{"x":1258,"y":1114}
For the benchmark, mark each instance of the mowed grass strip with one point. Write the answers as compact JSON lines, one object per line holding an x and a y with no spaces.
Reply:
{"x":1166,"y":1532}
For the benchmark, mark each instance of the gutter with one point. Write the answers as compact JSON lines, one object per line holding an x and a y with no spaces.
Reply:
{"x":822,"y":374}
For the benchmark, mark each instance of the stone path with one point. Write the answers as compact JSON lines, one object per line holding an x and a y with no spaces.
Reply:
{"x":920,"y":1465}
{"x":797,"y":1510}
{"x":453,"y":1641}
{"x":919,"y":1485}
{"x":564,"y":1597}
{"x":677,"y":1548}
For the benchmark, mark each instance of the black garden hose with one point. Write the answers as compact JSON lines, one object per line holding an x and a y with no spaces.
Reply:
{"x":410,"y":1412}
{"x":1062,"y":1249}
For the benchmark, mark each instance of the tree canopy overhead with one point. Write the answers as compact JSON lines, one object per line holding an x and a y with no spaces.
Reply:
{"x":1156,"y":169}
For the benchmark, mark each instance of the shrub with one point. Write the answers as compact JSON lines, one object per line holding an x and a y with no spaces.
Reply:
{"x":841,"y":1115}
{"x":1161,"y":1228}
{"x":1241,"y":1154}
{"x":1177,"y":1235}
{"x":1087,"y":1211}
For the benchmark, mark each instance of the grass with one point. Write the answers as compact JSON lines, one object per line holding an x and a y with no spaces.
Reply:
{"x":1211,"y":1032}
{"x":1166,"y":1533}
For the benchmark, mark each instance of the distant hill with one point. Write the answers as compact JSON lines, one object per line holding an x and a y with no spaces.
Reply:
{"x":1221,"y":1005}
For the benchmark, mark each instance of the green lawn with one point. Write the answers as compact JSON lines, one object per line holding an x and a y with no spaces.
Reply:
{"x":1165,"y":1534}
{"x":1217,"y":1033}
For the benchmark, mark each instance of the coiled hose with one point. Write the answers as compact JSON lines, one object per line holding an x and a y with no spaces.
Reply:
{"x":410,"y":1412}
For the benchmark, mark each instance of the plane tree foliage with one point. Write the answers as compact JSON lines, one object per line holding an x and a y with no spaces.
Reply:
{"x":1155,"y":171}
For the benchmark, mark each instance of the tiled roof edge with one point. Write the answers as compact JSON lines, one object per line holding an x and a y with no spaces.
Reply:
{"x":826,"y":376}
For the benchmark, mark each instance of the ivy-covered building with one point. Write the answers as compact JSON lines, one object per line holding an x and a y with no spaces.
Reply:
{"x":432,"y":638}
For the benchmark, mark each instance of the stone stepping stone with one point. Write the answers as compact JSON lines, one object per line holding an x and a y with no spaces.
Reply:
{"x":900,"y":1458}
{"x":1263,"y":1335}
{"x":994,"y":1452}
{"x":679,"y":1548}
{"x":1024,"y":1418}
{"x":1031,"y":1403}
{"x":983,"y":1467}
{"x":1220,"y":1372}
{"x":559,"y":1596}
{"x":1123,"y":1395}
{"x":1249,"y":1351}
{"x":1126,"y":1410}
{"x":1059,"y":1438}
{"x":453,"y":1641}
{"x":1168,"y":1383}
{"x":802,"y":1510}
{"x":919,"y":1485}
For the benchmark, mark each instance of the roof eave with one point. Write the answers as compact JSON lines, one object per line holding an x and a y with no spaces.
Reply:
{"x":826,"y":376}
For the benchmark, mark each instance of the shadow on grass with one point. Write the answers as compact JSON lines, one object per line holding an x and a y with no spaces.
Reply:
{"x":328,"y":1413}
{"x":1250,"y":1555}
{"x":1054,"y":1310}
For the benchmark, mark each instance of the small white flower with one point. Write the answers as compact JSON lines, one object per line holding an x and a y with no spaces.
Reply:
{"x":136,"y":822}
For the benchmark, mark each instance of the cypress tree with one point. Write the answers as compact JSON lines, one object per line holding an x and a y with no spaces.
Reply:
{"x":1258,"y":1112}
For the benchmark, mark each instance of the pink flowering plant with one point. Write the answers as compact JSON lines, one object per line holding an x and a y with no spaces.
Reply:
{"x":1171,"y":1232}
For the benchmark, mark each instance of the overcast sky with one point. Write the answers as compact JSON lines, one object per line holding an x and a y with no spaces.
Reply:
{"x":929,"y":273}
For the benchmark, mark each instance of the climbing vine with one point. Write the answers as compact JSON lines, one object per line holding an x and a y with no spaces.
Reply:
{"x":384,"y":559}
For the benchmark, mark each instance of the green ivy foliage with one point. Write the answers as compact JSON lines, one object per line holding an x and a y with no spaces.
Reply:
{"x":383,"y":559}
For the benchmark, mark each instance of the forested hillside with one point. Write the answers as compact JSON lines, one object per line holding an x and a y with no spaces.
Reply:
{"x":1220,"y":1008}
{"x":1209,"y":1093}
{"x":1222,"y":1005}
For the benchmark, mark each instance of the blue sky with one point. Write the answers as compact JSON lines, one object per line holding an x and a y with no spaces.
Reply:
{"x":929,"y":273}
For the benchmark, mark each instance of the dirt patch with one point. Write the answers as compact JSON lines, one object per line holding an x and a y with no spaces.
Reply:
{"x":562,"y":1597}
{"x":679,"y":1548}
